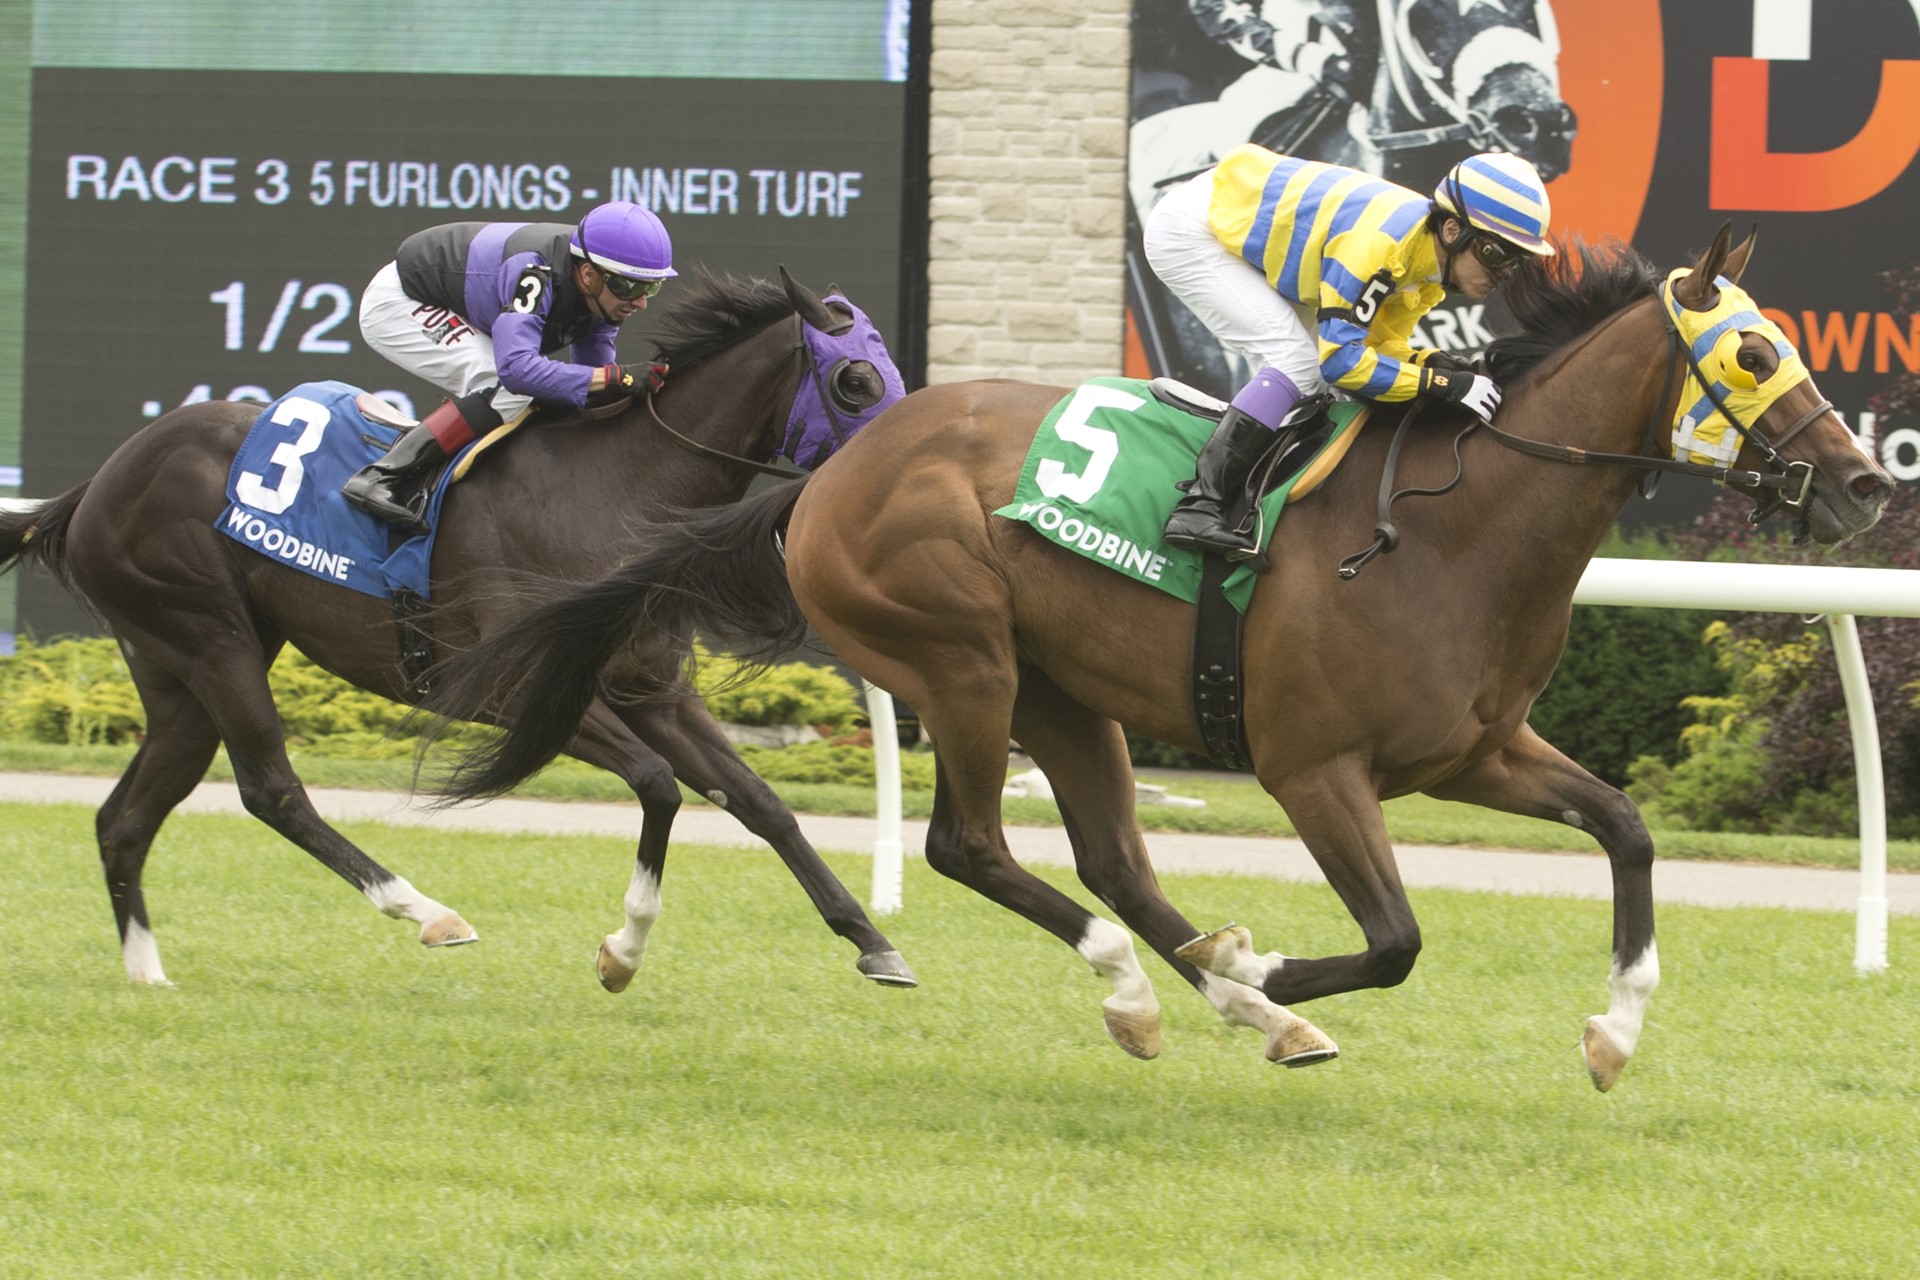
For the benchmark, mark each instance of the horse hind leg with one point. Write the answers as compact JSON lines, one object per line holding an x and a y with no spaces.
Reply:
{"x":1531,"y":777}
{"x":965,"y":698}
{"x":230,"y":681}
{"x":1084,"y":756}
{"x":180,"y":743}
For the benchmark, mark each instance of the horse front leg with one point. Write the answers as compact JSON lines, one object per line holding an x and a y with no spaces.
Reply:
{"x":1529,"y":776}
{"x":684,"y":733}
{"x":1338,"y":817}
{"x":604,"y":740}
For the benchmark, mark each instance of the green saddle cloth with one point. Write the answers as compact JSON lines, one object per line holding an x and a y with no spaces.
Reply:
{"x":1100,"y":480}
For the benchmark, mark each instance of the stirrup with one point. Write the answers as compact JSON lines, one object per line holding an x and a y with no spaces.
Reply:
{"x":377,"y":500}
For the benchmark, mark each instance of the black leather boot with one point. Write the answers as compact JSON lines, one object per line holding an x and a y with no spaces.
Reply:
{"x":1214,"y":516}
{"x":390,"y":488}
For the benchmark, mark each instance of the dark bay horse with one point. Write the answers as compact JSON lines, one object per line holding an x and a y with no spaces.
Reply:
{"x":200,"y":618}
{"x":1417,"y":675}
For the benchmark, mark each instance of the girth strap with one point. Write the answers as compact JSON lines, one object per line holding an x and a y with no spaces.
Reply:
{"x":1219,"y":706}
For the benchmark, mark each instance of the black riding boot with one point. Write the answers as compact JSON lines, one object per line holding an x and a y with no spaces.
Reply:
{"x":389,"y":489}
{"x":1212,"y":515}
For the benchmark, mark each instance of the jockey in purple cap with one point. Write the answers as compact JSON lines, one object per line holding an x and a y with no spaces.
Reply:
{"x":476,"y":308}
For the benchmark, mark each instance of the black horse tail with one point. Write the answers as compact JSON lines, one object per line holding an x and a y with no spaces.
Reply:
{"x":39,"y":534}
{"x":720,"y":574}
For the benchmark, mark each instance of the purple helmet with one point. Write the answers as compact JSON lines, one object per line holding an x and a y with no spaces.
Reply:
{"x":626,"y":239}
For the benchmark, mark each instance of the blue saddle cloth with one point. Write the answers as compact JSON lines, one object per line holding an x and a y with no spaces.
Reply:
{"x":283,"y":494}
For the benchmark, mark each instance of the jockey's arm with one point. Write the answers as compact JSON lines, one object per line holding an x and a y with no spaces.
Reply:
{"x":1365,"y":316}
{"x":525,"y":371}
{"x":1287,"y":34}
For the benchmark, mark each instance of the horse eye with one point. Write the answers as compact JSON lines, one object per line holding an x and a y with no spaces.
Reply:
{"x":852,"y":388}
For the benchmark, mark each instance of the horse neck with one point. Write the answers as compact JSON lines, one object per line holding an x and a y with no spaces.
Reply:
{"x":1600,"y":397}
{"x":628,"y":467}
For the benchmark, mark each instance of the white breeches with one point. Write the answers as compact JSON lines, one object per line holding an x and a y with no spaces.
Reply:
{"x":432,"y":342}
{"x":1229,"y":295}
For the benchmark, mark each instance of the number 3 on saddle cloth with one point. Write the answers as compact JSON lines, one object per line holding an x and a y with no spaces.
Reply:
{"x":283,"y":492}
{"x":1100,"y":477}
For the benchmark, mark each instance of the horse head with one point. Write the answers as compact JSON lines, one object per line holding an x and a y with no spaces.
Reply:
{"x":1748,"y":400}
{"x":797,"y":390}
{"x":853,"y":377}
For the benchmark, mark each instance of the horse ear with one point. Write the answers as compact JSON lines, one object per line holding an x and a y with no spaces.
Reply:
{"x":1697,"y":291}
{"x":1736,"y":263}
{"x":807,"y":303}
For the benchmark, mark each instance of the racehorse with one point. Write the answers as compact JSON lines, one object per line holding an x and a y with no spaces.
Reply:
{"x":1416,"y":675}
{"x":1444,"y":83}
{"x":201,"y":618}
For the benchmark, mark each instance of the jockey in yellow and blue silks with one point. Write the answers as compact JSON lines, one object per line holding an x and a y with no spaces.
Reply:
{"x":1316,"y":274}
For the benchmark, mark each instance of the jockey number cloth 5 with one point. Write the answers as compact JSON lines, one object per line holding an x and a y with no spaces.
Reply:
{"x":1100,"y":479}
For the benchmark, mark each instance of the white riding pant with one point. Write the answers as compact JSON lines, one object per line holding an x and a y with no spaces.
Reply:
{"x":433,"y":342}
{"x":1230,"y":295}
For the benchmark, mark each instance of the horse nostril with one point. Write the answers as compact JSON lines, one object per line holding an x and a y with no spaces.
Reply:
{"x":1870,"y":488}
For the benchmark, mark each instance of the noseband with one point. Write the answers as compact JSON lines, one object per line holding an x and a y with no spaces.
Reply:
{"x":767,"y":469}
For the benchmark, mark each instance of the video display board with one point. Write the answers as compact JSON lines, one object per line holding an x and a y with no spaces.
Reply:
{"x":204,"y":231}
{"x":1682,"y":115}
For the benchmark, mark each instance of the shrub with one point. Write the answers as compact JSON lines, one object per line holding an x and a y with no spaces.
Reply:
{"x":1617,"y":695}
{"x":72,"y":692}
{"x":792,"y":693}
{"x":1792,"y":691}
{"x":823,"y":762}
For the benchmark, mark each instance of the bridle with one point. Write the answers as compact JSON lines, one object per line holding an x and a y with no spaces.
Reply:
{"x":804,"y":366}
{"x":1790,"y":484}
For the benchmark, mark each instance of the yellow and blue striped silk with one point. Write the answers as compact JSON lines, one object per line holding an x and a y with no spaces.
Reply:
{"x":1320,"y":233}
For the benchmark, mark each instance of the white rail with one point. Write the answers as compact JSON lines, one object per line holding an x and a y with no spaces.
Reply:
{"x":1838,"y":593}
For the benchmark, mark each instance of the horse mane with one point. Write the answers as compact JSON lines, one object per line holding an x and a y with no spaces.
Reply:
{"x":1557,"y":299}
{"x":710,"y":313}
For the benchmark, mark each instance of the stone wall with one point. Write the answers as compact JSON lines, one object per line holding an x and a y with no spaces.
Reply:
{"x":1028,"y":170}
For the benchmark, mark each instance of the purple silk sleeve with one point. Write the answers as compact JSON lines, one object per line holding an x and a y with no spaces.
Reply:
{"x":516,"y":354}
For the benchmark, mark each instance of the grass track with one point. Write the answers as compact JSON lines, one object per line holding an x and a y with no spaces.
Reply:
{"x":322,"y":1097}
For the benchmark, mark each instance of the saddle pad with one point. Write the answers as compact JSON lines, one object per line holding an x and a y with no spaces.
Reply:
{"x":1100,"y":479}
{"x":284,"y":497}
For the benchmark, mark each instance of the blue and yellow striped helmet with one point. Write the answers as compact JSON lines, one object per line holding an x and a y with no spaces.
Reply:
{"x":1502,"y":195}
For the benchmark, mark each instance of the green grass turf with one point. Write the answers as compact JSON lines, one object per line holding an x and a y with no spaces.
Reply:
{"x":1235,"y":806}
{"x":320,"y":1096}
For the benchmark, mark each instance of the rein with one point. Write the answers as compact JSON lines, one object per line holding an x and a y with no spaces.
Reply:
{"x":1791,"y":482}
{"x":720,"y":455}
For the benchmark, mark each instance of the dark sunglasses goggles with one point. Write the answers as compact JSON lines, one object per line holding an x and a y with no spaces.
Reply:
{"x":626,"y":288}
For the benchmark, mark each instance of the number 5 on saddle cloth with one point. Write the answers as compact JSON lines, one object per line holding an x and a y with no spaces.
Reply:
{"x":1101,"y":476}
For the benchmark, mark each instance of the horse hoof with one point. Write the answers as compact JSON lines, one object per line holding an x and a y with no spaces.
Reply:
{"x":448,"y":930}
{"x":1300,"y":1044}
{"x":1215,"y":952}
{"x":1603,"y":1057}
{"x":614,"y":976}
{"x":887,"y":969}
{"x":1137,"y":1033}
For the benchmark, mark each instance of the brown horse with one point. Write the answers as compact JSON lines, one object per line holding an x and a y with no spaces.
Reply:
{"x":200,"y":618}
{"x":1415,"y":676}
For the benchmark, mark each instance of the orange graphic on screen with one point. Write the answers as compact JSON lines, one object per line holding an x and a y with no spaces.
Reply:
{"x":1746,"y":175}
{"x":1611,"y":74}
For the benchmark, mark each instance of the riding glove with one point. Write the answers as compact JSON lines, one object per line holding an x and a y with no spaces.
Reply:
{"x":1474,"y":391}
{"x":620,"y":378}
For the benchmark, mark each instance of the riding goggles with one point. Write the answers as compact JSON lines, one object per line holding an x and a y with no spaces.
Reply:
{"x":626,"y":288}
{"x":1494,"y":254}
{"x":1700,"y":434}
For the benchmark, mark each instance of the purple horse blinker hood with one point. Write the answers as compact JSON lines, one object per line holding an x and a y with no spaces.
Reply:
{"x":816,"y":426}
